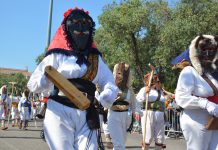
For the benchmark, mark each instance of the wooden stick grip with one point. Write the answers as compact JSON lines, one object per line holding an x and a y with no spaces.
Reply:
{"x":212,"y":124}
{"x":71,"y":92}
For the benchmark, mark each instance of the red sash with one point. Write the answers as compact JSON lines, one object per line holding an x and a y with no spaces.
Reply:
{"x":45,"y":99}
{"x":213,"y":99}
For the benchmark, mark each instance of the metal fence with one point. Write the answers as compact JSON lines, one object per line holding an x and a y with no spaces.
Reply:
{"x":172,"y":124}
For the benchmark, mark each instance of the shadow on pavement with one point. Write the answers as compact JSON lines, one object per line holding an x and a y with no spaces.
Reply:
{"x":13,"y":137}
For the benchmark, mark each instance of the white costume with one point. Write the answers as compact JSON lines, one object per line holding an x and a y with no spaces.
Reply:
{"x":4,"y":106}
{"x":73,"y":53}
{"x":68,"y":67}
{"x":57,"y":115}
{"x":190,"y":95}
{"x":155,"y":118}
{"x":14,"y":110}
{"x":119,"y":120}
{"x":193,"y":92}
{"x":24,"y":107}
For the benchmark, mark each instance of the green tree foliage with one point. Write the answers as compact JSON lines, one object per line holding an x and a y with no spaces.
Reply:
{"x":189,"y":19}
{"x":139,"y":32}
{"x":128,"y":33}
{"x":19,"y":79}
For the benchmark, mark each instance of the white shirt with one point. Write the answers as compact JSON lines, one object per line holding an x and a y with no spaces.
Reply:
{"x":191,"y":87}
{"x":67,"y":66}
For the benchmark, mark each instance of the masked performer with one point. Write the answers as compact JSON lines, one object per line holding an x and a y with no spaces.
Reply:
{"x":3,"y":106}
{"x":196,"y":89}
{"x":24,"y":108}
{"x":118,"y":118}
{"x":73,"y":54}
{"x":154,"y":125}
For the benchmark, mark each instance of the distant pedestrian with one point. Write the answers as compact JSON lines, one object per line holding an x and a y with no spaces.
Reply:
{"x":4,"y":106}
{"x":24,"y":108}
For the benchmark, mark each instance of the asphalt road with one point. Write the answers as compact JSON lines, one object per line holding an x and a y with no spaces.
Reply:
{"x":16,"y":139}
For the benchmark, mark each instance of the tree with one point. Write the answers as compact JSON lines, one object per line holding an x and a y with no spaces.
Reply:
{"x":189,"y":19}
{"x":128,"y":33}
{"x":21,"y":81}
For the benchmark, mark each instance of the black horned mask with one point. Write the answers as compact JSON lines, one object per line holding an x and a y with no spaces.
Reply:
{"x":204,"y":53}
{"x":122,"y":74}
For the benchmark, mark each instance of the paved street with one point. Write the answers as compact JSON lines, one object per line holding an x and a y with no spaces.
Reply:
{"x":15,"y":139}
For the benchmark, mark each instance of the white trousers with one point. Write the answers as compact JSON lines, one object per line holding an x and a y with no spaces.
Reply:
{"x":2,"y":112}
{"x":25,"y":114}
{"x":197,"y":137}
{"x":117,"y":125}
{"x":65,"y":128}
{"x":154,"y":126}
{"x":14,"y":113}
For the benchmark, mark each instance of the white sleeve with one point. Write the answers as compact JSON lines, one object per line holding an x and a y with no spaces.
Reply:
{"x":19,"y":105}
{"x":141,"y":96}
{"x":38,"y":83}
{"x":185,"y":88}
{"x":107,"y":85}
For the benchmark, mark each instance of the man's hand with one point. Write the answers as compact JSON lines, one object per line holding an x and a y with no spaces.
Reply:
{"x":147,"y":89}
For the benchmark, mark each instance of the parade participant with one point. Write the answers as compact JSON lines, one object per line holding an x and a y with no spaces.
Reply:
{"x":154,"y":125}
{"x":118,"y":118}
{"x":14,"y":109}
{"x":3,"y":106}
{"x":42,"y":111}
{"x":24,"y":108}
{"x":195,"y":88}
{"x":74,"y":55}
{"x":34,"y":109}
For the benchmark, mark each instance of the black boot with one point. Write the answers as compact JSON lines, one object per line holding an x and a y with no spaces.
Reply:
{"x":20,"y":125}
{"x":25,"y":124}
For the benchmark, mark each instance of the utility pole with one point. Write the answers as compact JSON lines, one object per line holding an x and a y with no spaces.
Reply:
{"x":49,"y":24}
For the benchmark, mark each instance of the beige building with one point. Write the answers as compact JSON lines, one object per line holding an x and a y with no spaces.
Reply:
{"x":14,"y":71}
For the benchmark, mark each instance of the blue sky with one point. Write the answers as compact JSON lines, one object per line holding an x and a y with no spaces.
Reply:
{"x":24,"y":26}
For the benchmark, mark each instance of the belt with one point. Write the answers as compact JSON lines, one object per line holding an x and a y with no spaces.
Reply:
{"x":120,"y":108}
{"x":65,"y":100}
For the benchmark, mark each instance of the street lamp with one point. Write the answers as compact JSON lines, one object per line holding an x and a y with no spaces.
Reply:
{"x":49,"y":24}
{"x":12,"y":83}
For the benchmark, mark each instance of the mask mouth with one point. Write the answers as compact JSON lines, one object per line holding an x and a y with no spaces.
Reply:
{"x":81,"y":33}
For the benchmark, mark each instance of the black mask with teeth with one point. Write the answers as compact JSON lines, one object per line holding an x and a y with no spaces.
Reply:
{"x":79,"y":28}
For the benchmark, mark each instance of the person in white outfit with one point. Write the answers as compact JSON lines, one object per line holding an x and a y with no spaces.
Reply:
{"x":14,"y":109}
{"x":195,"y":95}
{"x":153,"y":128}
{"x":24,"y":108}
{"x":4,"y":109}
{"x":119,"y":117}
{"x":73,"y":53}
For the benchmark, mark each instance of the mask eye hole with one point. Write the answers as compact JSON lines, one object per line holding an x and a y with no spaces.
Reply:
{"x":75,"y":21}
